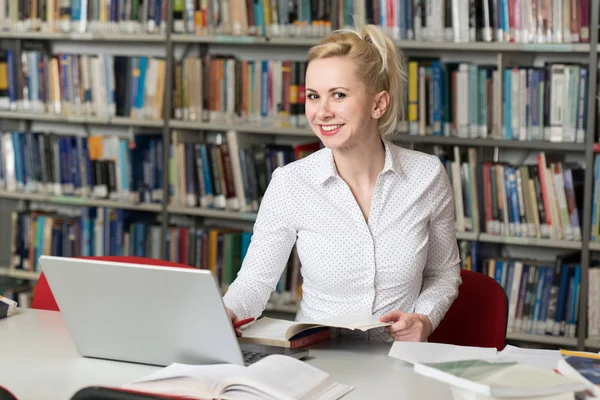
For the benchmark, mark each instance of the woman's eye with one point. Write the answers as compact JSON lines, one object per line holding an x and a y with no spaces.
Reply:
{"x":311,"y":96}
{"x":338,"y":95}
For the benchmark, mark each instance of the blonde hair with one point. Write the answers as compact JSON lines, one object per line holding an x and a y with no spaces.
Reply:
{"x":379,"y":64}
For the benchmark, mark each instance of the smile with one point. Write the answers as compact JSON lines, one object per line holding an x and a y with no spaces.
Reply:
{"x":329,"y":130}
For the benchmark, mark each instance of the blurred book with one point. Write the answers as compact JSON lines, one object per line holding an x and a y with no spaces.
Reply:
{"x":582,"y":366}
{"x":501,"y":379}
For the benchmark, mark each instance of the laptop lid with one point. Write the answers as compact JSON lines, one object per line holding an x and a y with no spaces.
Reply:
{"x":143,"y":314}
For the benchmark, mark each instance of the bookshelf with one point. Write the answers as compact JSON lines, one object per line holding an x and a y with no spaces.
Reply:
{"x":164,"y":210}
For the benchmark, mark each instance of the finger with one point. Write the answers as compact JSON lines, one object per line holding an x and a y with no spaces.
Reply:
{"x":238,"y":332}
{"x":402,"y":325}
{"x":392,"y":316}
{"x":411,"y":337}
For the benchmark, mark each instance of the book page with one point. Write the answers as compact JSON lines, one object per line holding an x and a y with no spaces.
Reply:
{"x":268,"y":328}
{"x":360,"y":321}
{"x":284,"y":377}
{"x":540,"y":358}
{"x":175,"y":379}
{"x":351,"y":321}
{"x":193,"y":388}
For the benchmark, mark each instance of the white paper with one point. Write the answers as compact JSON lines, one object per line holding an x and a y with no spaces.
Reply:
{"x":545,"y":359}
{"x":424,"y":352}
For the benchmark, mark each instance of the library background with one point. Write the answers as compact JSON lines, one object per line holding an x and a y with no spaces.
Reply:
{"x":151,"y":128}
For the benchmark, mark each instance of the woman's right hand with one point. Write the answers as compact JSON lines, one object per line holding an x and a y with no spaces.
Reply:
{"x":233,"y":318}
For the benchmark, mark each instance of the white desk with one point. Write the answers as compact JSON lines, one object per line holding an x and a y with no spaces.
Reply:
{"x":38,"y":360}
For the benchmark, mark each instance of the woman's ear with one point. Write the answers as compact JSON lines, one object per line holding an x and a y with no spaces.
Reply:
{"x":380,"y":104}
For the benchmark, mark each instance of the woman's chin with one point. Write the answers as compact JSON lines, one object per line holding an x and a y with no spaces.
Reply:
{"x":336,"y":141}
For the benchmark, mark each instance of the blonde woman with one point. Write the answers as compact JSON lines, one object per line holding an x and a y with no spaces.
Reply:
{"x":373,"y":223}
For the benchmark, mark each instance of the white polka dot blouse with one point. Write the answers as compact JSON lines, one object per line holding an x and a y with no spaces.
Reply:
{"x":405,"y":257}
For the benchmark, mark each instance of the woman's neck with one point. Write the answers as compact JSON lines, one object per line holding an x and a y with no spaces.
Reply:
{"x":360,"y":165}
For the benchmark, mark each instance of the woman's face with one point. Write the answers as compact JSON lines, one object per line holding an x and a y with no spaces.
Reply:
{"x":339,"y":107}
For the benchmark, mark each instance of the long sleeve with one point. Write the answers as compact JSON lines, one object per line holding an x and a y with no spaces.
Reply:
{"x":272,"y":241}
{"x":441,"y":275}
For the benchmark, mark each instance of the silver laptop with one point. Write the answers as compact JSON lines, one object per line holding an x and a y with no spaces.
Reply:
{"x":147,"y":314}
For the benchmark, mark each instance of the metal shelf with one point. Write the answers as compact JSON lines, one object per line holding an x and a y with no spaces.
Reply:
{"x":593,"y":342}
{"x":472,"y":236}
{"x":595,"y":246}
{"x":559,"y":244}
{"x":282,"y":130}
{"x":86,"y":36}
{"x":402,"y":138}
{"x":542,"y":339}
{"x":241,"y":127}
{"x":515,"y":144}
{"x":80,"y":201}
{"x":18,"y":274}
{"x":115,"y":121}
{"x":203,"y":212}
{"x":403,"y":44}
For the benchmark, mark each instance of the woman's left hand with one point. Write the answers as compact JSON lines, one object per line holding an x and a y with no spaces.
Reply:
{"x":408,"y":327}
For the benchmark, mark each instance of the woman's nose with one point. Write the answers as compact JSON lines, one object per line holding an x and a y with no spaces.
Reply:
{"x":324,"y":111}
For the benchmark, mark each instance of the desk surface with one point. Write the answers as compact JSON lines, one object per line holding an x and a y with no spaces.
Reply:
{"x":40,"y":361}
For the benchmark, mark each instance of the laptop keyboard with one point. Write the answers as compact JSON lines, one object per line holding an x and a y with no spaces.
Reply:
{"x":251,"y":357}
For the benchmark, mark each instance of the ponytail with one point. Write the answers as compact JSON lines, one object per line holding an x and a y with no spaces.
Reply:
{"x":379,"y":65}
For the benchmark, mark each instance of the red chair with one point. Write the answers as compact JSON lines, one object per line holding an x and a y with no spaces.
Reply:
{"x":43,"y":299}
{"x":478,"y":316}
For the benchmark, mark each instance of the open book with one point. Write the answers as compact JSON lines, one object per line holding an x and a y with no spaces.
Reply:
{"x":283,"y":333}
{"x":276,"y":377}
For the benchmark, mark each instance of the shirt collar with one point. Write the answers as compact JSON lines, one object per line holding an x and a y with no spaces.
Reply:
{"x":328,"y":169}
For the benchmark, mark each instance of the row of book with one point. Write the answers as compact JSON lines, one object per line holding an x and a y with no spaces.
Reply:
{"x":80,"y":16}
{"x":228,"y":171}
{"x":111,"y":232}
{"x":82,"y":85}
{"x":100,"y":167}
{"x":222,"y":251}
{"x":517,"y":103}
{"x":89,"y":231}
{"x":445,"y":99}
{"x":210,"y":170}
{"x":232,"y":171}
{"x":543,"y":297}
{"x":522,"y":21}
{"x":542,"y":200}
{"x":226,"y":89}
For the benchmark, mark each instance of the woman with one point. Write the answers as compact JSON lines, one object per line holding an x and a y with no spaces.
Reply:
{"x":373,"y":223}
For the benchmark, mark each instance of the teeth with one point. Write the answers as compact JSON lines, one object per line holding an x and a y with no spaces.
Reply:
{"x":328,"y":128}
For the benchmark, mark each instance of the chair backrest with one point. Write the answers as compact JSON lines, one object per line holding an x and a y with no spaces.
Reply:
{"x":43,"y":299}
{"x":478,"y":316}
